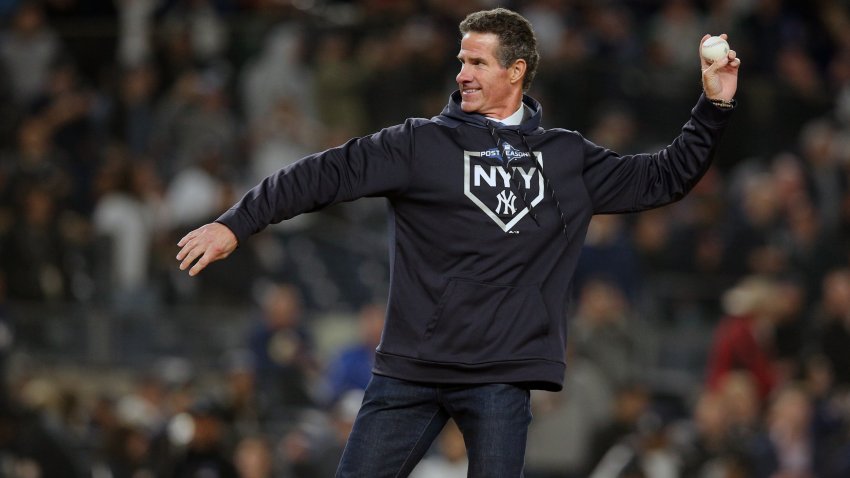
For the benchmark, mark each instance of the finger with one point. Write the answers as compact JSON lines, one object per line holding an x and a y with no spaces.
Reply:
{"x":724,"y":36}
{"x":185,"y":238}
{"x":202,"y":263}
{"x":182,"y":253}
{"x":733,"y":58}
{"x":190,"y":257}
{"x":186,"y":248}
{"x":703,"y":62}
{"x":719,"y":64}
{"x":711,"y":68}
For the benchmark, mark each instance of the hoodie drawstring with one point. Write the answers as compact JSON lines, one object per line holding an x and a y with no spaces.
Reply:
{"x":523,"y":192}
{"x":547,"y":184}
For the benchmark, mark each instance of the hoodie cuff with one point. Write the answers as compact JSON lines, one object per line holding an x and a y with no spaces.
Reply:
{"x":712,"y":114}
{"x":232,"y":220}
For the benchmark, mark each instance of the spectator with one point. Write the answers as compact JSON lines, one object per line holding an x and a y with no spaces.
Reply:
{"x":242,"y":404}
{"x":281,"y":136}
{"x":549,"y":20}
{"x":67,"y":107}
{"x":7,"y":340}
{"x":603,"y":333}
{"x":753,"y":229}
{"x":194,"y":122}
{"x":789,"y":429}
{"x":27,"y":50}
{"x":613,"y":445}
{"x":449,"y":460}
{"x":128,"y":452}
{"x":282,"y":352}
{"x":800,"y":96}
{"x":338,"y":83}
{"x":35,"y":250}
{"x":675,"y":20}
{"x":744,"y":338}
{"x":749,"y":452}
{"x":36,"y":161}
{"x":706,"y":443}
{"x":559,"y":437}
{"x":125,"y":216}
{"x":609,"y":254}
{"x":205,"y":454}
{"x":135,"y":36}
{"x":254,"y":458}
{"x":132,"y":120}
{"x":28,"y":448}
{"x":819,"y":145}
{"x":277,"y":73}
{"x":833,"y":324}
{"x":352,"y":368}
{"x":314,"y":447}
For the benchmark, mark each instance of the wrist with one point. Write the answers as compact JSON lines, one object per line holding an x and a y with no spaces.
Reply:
{"x":722,"y":104}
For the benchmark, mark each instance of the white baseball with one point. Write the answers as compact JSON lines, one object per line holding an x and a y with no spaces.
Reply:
{"x":714,"y":48}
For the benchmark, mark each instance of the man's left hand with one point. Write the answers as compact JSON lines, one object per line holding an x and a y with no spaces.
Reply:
{"x":720,"y":78}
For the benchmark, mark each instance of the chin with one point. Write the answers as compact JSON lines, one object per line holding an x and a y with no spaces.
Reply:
{"x":468,"y":107}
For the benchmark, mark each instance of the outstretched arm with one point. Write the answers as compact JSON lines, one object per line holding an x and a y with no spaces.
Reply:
{"x":374,"y":165}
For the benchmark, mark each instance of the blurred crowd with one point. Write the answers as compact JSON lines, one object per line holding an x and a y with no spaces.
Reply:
{"x":710,"y":338}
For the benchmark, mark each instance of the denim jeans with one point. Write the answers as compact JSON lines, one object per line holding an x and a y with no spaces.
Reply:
{"x":400,"y":419}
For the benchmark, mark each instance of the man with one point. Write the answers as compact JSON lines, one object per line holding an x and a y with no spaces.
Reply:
{"x":488,"y":214}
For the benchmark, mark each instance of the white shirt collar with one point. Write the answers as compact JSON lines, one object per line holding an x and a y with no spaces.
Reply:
{"x":516,"y":118}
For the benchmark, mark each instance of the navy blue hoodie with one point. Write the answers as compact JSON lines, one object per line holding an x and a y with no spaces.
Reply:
{"x":482,"y":248}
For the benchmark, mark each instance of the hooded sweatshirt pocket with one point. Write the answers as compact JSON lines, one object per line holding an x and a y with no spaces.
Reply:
{"x":477,"y":322}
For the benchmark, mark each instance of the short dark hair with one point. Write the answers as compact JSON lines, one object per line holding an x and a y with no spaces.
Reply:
{"x":516,"y":38}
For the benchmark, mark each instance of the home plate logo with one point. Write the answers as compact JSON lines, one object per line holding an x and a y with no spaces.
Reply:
{"x":488,"y":185}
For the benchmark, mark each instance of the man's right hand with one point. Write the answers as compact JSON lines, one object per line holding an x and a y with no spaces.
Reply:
{"x":207,"y":244}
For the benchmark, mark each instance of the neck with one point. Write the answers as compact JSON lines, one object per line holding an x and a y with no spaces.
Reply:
{"x":513,"y":115}
{"x":512,"y":104}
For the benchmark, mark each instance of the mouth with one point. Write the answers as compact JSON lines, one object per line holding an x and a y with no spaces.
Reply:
{"x":468,"y":91}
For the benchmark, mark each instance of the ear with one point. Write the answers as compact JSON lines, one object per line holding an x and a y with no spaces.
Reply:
{"x":517,"y":71}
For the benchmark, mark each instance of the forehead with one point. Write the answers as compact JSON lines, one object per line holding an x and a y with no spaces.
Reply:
{"x":475,"y":44}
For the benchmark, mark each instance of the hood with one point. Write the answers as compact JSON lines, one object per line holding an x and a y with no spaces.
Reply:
{"x":452,"y":115}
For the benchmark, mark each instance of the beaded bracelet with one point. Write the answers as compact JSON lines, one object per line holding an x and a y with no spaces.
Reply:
{"x":722,"y":104}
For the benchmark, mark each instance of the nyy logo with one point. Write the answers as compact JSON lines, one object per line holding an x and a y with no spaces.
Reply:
{"x":506,"y":203}
{"x":492,"y":187}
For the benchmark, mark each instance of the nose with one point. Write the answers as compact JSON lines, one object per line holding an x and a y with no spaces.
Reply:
{"x":463,"y":75}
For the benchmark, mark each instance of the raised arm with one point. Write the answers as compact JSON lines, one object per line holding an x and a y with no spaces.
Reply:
{"x":631,"y":183}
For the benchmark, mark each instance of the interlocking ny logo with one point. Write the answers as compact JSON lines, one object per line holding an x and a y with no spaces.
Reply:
{"x":506,"y":202}
{"x":488,"y":184}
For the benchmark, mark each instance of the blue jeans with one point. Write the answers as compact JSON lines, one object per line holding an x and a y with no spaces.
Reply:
{"x":400,"y":419}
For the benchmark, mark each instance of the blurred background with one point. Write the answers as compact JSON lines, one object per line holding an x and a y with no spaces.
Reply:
{"x":710,"y":338}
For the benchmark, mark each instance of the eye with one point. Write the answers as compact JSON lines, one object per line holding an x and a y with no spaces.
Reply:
{"x":472,"y":61}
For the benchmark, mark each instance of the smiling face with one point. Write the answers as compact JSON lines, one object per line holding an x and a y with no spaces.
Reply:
{"x":487,"y":87}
